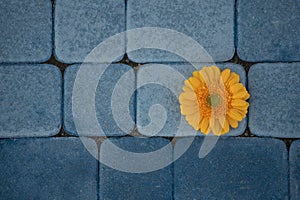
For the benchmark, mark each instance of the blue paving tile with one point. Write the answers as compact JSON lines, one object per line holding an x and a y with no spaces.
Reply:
{"x":274,"y":102}
{"x":237,"y":168}
{"x":210,"y":23}
{"x":115,"y":184}
{"x":26,"y":31}
{"x":81,"y":25}
{"x":30,"y":100}
{"x":103,"y":99}
{"x":294,"y":170}
{"x":48,"y":168}
{"x":151,"y":94}
{"x":268,"y":30}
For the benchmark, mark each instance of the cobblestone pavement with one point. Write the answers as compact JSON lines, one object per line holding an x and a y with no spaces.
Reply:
{"x":42,"y":46}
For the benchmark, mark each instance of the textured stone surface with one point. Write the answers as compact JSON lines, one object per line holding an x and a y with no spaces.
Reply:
{"x":26,"y":31}
{"x":210,"y":23}
{"x":237,"y":168}
{"x":115,"y":184}
{"x":52,"y":168}
{"x":81,"y":25}
{"x":294,"y":170}
{"x":151,"y":94}
{"x":274,"y":101}
{"x":268,"y":30}
{"x":30,"y":100}
{"x":103,"y":99}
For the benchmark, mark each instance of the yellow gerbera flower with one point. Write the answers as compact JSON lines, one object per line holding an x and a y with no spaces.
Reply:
{"x":213,"y":100}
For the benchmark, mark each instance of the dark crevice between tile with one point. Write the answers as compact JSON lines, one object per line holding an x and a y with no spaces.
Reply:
{"x":60,"y":65}
{"x":125,"y":60}
{"x":288,"y":142}
{"x":98,"y":169}
{"x":173,"y":177}
{"x":235,"y":59}
{"x":62,"y":133}
{"x":247,"y":133}
{"x":235,"y":28}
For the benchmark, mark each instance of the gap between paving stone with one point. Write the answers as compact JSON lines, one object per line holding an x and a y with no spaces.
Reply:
{"x":135,"y":66}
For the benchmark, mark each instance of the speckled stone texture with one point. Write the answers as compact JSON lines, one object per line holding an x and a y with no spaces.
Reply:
{"x":237,"y":168}
{"x":268,"y":30}
{"x":115,"y":184}
{"x":210,"y":23}
{"x":151,"y":94}
{"x":26,"y":31}
{"x":30,"y":100}
{"x":48,"y":168}
{"x":294,"y":170}
{"x":103,"y":99}
{"x":274,"y":101}
{"x":81,"y":25}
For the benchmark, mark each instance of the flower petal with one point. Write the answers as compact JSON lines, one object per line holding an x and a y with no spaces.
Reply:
{"x":188,"y":110}
{"x":187,"y":89}
{"x":187,"y":96}
{"x":234,"y":78}
{"x":233,"y":123}
{"x":205,"y":74}
{"x":225,"y":75}
{"x":239,"y":103}
{"x":242,"y":94}
{"x":234,"y":114}
{"x":215,"y":126}
{"x":217,"y":72}
{"x":195,"y":82}
{"x":225,"y":127}
{"x":236,"y":88}
{"x":193,"y":120}
{"x":204,"y":125}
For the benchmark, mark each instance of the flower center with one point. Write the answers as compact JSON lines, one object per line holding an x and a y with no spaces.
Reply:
{"x":214,"y":100}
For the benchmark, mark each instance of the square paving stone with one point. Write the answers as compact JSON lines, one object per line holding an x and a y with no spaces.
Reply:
{"x":115,"y":184}
{"x":82,"y":25}
{"x":26,"y":31}
{"x":210,"y":23}
{"x":268,"y":30}
{"x":236,"y":168}
{"x":295,"y":170}
{"x":274,"y":102}
{"x":30,"y":100}
{"x":103,"y":100}
{"x":149,"y":95}
{"x":47,"y":168}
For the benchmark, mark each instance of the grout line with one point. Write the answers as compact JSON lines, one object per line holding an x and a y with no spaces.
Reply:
{"x":172,"y":173}
{"x":53,"y":15}
{"x":62,"y":66}
{"x":98,"y":171}
{"x":235,"y":23}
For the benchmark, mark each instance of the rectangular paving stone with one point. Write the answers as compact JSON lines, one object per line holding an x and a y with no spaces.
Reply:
{"x":268,"y":30}
{"x":47,"y":168}
{"x":236,"y":168}
{"x":115,"y":184}
{"x":26,"y":31}
{"x":150,"y":94}
{"x":274,"y":102}
{"x":30,"y":100}
{"x":294,"y":160}
{"x":82,"y":25}
{"x":210,"y":23}
{"x":103,"y":100}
